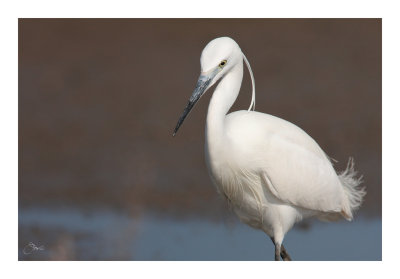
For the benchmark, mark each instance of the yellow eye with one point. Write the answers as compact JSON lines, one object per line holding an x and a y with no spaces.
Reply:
{"x":222,"y":64}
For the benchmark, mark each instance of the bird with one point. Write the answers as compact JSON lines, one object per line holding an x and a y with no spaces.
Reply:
{"x":271,"y":172}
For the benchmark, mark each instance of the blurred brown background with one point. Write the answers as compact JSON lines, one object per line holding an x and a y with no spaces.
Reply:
{"x":99,"y":98}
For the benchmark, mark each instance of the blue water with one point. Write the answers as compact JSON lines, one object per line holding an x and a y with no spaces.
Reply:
{"x":72,"y":234}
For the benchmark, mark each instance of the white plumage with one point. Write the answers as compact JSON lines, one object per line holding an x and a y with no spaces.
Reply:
{"x":271,"y":171}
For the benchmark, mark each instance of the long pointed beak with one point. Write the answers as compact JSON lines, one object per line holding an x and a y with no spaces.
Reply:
{"x":201,"y":87}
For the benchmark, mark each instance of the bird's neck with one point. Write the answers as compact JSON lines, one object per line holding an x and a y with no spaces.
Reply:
{"x":221,"y":101}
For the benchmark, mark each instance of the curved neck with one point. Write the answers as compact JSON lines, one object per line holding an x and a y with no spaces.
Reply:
{"x":221,"y":101}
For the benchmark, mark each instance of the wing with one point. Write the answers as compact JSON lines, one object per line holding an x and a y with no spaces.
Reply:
{"x":300,"y":178}
{"x":292,"y":165}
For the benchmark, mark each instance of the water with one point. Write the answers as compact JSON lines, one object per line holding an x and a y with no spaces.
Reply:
{"x":72,"y":234}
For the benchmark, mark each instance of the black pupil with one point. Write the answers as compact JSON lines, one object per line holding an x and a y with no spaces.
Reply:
{"x":222,"y":63}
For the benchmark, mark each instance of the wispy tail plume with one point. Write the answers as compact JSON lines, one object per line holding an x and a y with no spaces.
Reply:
{"x":353,"y":191}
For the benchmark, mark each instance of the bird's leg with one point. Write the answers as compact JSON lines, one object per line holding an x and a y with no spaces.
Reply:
{"x":277,"y":252}
{"x":281,"y":251}
{"x":284,"y":254}
{"x":277,"y":249}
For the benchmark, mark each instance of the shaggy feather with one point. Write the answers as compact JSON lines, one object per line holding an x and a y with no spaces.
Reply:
{"x":351,"y":185}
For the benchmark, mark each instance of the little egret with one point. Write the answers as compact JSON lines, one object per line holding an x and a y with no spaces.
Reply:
{"x":271,"y":171}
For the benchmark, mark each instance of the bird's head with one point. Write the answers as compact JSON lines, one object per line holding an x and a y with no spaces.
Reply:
{"x":218,"y":58}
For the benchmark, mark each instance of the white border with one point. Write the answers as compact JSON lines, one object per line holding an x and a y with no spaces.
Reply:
{"x":208,"y":8}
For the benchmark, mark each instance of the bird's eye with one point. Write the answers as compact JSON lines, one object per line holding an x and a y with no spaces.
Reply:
{"x":222,"y":64}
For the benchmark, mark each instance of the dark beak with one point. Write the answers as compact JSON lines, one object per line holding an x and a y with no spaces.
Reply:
{"x":201,"y":88}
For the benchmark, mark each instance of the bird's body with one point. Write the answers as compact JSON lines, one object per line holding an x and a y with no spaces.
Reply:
{"x":283,"y":178}
{"x":271,"y":171}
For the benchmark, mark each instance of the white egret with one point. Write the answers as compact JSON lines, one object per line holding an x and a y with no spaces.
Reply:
{"x":271,"y":171}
